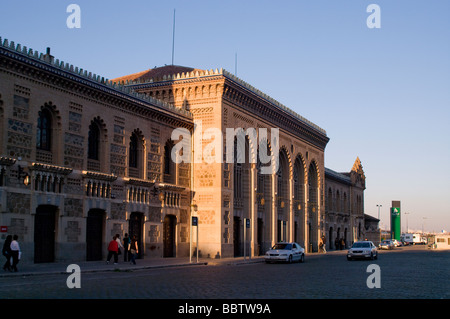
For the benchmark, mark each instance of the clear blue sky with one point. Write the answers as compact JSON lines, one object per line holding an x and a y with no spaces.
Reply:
{"x":381,"y":94}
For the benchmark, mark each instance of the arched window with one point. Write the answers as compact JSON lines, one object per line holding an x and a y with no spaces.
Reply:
{"x":43,"y":134}
{"x":330,"y":200}
{"x":345,"y":203}
{"x":94,"y":141}
{"x":338,"y":201}
{"x":312,"y":184}
{"x":133,"y":159}
{"x":298,"y":181}
{"x":169,"y":165}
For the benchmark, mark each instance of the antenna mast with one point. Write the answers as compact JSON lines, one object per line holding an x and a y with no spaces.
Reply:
{"x":173,"y":36}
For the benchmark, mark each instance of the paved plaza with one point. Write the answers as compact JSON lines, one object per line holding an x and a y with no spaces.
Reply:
{"x":408,"y":272}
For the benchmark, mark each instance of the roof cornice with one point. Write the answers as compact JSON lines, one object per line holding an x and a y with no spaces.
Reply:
{"x":37,"y":62}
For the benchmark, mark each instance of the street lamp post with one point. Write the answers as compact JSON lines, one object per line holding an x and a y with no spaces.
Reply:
{"x":423,"y":222}
{"x":407,"y":221}
{"x":379,"y":206}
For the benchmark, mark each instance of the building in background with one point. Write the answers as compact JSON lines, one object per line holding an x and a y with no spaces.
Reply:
{"x":344,"y":206}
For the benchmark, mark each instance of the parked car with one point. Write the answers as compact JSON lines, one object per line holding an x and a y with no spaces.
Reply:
{"x":386,"y":244}
{"x":396,"y":243}
{"x":362,"y":249}
{"x":287,"y":252}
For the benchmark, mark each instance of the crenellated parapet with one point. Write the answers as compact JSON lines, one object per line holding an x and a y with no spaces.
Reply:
{"x":82,"y":74}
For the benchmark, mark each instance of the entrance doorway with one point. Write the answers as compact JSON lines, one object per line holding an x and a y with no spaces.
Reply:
{"x":260,"y":251}
{"x":94,"y":234}
{"x":169,"y":230}
{"x":136,"y":228}
{"x":44,"y":234}
{"x":330,"y":238}
{"x":237,"y":236}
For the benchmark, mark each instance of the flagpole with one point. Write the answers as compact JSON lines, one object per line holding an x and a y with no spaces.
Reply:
{"x":173,"y":36}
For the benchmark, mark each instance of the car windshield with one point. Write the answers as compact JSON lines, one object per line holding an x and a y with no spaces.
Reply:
{"x":361,"y":245}
{"x":282,"y":246}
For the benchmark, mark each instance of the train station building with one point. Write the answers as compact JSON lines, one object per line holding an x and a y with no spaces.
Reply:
{"x":83,"y":158}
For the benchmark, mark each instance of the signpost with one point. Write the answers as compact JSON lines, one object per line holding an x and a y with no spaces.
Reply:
{"x":247,"y":225}
{"x":395,"y":220}
{"x":194,"y":222}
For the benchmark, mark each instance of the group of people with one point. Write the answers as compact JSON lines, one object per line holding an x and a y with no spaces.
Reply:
{"x":11,"y":251}
{"x":339,"y":244}
{"x":129,"y":246}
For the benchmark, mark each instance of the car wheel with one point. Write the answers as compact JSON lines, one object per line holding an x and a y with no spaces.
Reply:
{"x":376,"y":256}
{"x":349,"y":258}
{"x":371,"y":256}
{"x":302,"y":258}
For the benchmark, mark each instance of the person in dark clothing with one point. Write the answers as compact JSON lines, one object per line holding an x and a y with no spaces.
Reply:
{"x":126,"y":248}
{"x":6,"y":251}
{"x":134,"y":250}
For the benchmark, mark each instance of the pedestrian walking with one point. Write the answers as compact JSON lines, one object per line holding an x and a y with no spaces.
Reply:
{"x":336,"y":243}
{"x":6,"y":251}
{"x":342,"y":243}
{"x":133,"y":249}
{"x":113,"y":248}
{"x":324,"y":244}
{"x":119,"y":243}
{"x":15,"y":252}
{"x":126,"y":247}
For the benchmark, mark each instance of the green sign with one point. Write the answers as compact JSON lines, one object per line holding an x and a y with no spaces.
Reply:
{"x":395,"y":223}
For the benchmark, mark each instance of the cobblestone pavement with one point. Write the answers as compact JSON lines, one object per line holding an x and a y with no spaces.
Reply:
{"x":407,"y":272}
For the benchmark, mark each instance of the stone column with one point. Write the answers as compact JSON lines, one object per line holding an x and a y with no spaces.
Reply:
{"x":273,"y":215}
{"x":291,"y":221}
{"x":253,"y":211}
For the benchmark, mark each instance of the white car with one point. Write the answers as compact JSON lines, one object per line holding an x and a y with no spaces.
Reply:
{"x":287,"y":252}
{"x":362,"y":249}
{"x":396,"y":243}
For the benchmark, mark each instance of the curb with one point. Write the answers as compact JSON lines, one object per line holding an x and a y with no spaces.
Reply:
{"x":91,"y":270}
{"x":121,"y":268}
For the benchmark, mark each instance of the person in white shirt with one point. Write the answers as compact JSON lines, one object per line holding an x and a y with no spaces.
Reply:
{"x":15,"y":250}
{"x":119,"y":243}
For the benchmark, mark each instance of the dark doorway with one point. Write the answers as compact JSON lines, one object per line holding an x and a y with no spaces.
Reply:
{"x":310,"y":238}
{"x":237,"y":236}
{"x":345,"y":236}
{"x":170,"y":222}
{"x":281,"y":229}
{"x":44,"y":234}
{"x":94,"y":234}
{"x":135,"y":228}
{"x":260,"y":237}
{"x":330,"y":238}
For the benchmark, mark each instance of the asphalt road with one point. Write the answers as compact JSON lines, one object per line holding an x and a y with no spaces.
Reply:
{"x":404,"y":273}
